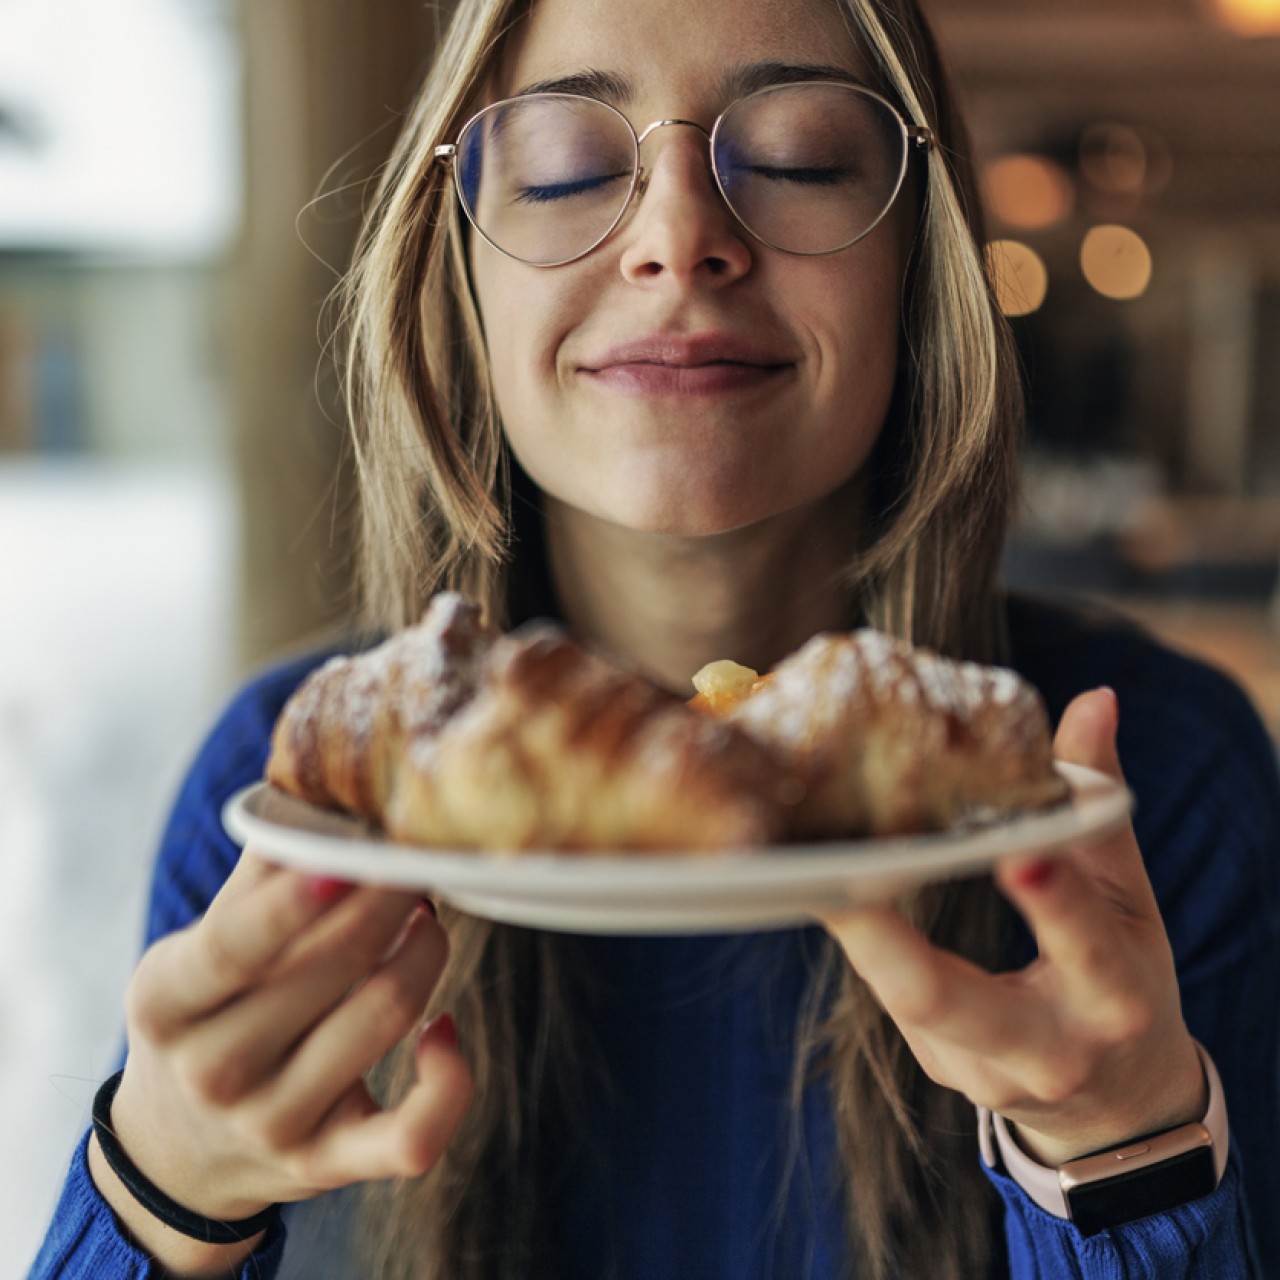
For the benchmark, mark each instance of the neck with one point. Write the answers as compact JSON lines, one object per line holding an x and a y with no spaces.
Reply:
{"x":668,"y":605}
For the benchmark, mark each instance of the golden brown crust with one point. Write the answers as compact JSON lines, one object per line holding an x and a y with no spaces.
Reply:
{"x":891,"y":739}
{"x":341,"y":736}
{"x":452,"y":736}
{"x":559,"y":749}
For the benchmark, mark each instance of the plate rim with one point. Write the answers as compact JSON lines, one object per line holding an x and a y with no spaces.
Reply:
{"x":1097,"y":803}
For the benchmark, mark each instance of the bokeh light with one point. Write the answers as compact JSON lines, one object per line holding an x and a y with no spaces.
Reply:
{"x":1116,"y":262}
{"x":1028,"y":191}
{"x":1122,"y":159}
{"x":1249,"y":17}
{"x":1020,"y":276}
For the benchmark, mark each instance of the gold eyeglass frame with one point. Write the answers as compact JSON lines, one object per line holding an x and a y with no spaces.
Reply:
{"x":921,"y":137}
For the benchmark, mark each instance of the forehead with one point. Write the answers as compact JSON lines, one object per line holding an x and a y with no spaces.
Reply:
{"x":674,"y":47}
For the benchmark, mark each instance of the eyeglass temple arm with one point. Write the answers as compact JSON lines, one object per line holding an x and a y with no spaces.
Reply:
{"x":920,"y":134}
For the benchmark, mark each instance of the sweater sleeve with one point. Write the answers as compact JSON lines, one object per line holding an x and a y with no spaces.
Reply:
{"x":85,"y":1240}
{"x":1205,"y":1240}
{"x":1207,"y":816}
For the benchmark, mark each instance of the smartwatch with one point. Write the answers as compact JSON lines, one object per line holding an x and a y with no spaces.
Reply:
{"x":1120,"y":1184}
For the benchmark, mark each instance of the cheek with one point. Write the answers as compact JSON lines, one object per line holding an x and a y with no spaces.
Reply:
{"x":856,"y":348}
{"x":525,"y":313}
{"x":504,"y":315}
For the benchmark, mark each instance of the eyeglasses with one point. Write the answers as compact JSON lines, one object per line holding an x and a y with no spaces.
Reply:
{"x":807,"y":168}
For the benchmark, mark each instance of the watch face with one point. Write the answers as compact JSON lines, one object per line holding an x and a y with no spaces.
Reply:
{"x":1140,"y":1192}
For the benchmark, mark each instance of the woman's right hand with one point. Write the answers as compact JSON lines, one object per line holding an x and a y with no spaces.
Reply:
{"x":250,"y":1032}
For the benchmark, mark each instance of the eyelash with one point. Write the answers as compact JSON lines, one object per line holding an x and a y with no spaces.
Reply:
{"x":809,"y":177}
{"x":565,"y":190}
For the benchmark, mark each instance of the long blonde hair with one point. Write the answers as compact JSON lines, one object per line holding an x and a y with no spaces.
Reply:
{"x":437,"y":512}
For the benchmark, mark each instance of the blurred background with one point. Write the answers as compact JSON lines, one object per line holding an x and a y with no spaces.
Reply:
{"x":180,"y":182}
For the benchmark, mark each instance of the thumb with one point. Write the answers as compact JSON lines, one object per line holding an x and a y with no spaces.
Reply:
{"x":1087,"y":732}
{"x":1087,"y":736}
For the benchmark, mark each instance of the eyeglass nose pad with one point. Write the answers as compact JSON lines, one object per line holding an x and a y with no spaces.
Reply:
{"x":643,"y":175}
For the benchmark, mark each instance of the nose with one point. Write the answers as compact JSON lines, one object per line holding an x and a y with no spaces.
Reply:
{"x":681,"y":230}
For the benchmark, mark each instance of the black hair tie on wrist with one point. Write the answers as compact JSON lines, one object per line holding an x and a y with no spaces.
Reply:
{"x":147,"y":1194}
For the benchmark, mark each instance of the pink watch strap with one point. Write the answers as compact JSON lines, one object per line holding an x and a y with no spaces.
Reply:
{"x":1042,"y":1183}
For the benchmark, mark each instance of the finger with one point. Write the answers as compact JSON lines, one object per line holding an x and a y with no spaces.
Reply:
{"x":361,"y":1144}
{"x":1074,"y":903}
{"x":367,"y":1025}
{"x":933,"y":992}
{"x":1087,"y":736}
{"x":250,"y":869}
{"x":1087,"y":732}
{"x":233,"y":1051}
{"x":1096,"y":947}
{"x":249,"y":924}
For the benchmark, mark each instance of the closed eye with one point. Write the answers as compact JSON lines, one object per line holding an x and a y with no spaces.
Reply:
{"x":549,"y":192}
{"x":812,"y":176}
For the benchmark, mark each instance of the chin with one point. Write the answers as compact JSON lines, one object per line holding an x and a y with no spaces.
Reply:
{"x":696,"y":495}
{"x":684,"y":527}
{"x":687,"y":519}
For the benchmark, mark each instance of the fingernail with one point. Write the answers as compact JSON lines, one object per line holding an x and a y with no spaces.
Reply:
{"x":1036,"y":875}
{"x":430,"y":906}
{"x":328,"y":889}
{"x":441,"y":1029}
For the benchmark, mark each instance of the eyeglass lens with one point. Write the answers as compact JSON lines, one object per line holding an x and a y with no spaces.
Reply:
{"x":806,"y":168}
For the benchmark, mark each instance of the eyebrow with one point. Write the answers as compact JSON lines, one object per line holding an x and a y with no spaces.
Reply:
{"x":764,"y":75}
{"x":588,"y":84}
{"x":736,"y":83}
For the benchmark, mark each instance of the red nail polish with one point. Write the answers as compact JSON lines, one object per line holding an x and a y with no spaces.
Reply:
{"x":442,"y":1029}
{"x":1036,"y":875}
{"x":328,"y":889}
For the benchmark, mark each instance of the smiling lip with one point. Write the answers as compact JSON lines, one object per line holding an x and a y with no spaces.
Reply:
{"x":666,"y":364}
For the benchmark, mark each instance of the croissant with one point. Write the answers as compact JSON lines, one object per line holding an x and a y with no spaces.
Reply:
{"x":559,"y":749}
{"x":452,"y":735}
{"x":889,"y":739}
{"x":448,"y":735}
{"x":342,"y":735}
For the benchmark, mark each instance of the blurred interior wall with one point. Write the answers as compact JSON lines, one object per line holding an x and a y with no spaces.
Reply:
{"x":327,"y":84}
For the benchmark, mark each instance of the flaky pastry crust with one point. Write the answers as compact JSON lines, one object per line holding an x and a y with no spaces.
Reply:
{"x":342,"y":735}
{"x":453,"y":736}
{"x":889,"y":739}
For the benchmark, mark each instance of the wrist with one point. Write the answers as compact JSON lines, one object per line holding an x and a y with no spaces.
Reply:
{"x":117,"y":1175}
{"x":1182,"y":1098}
{"x":147,"y":1143}
{"x":178,"y":1254}
{"x":1151,"y":1174}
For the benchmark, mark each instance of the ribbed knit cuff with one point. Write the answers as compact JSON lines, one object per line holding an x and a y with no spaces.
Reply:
{"x":1205,"y":1240}
{"x":86,"y":1240}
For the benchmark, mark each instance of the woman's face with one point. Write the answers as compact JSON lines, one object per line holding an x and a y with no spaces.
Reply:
{"x":682,"y":378}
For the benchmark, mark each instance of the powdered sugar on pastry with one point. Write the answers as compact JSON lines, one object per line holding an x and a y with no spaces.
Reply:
{"x":451,"y":735}
{"x":340,"y":737}
{"x":559,"y":749}
{"x":891,"y":739}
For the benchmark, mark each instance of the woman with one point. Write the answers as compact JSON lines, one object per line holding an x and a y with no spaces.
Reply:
{"x":706,"y":417}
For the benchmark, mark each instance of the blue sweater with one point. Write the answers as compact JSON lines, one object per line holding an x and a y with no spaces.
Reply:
{"x":698,"y":1037}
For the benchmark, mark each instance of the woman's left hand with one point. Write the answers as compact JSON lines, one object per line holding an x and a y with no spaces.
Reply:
{"x":1085,"y":1047}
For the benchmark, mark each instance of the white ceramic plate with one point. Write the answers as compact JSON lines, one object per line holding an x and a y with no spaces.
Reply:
{"x":769,"y":888}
